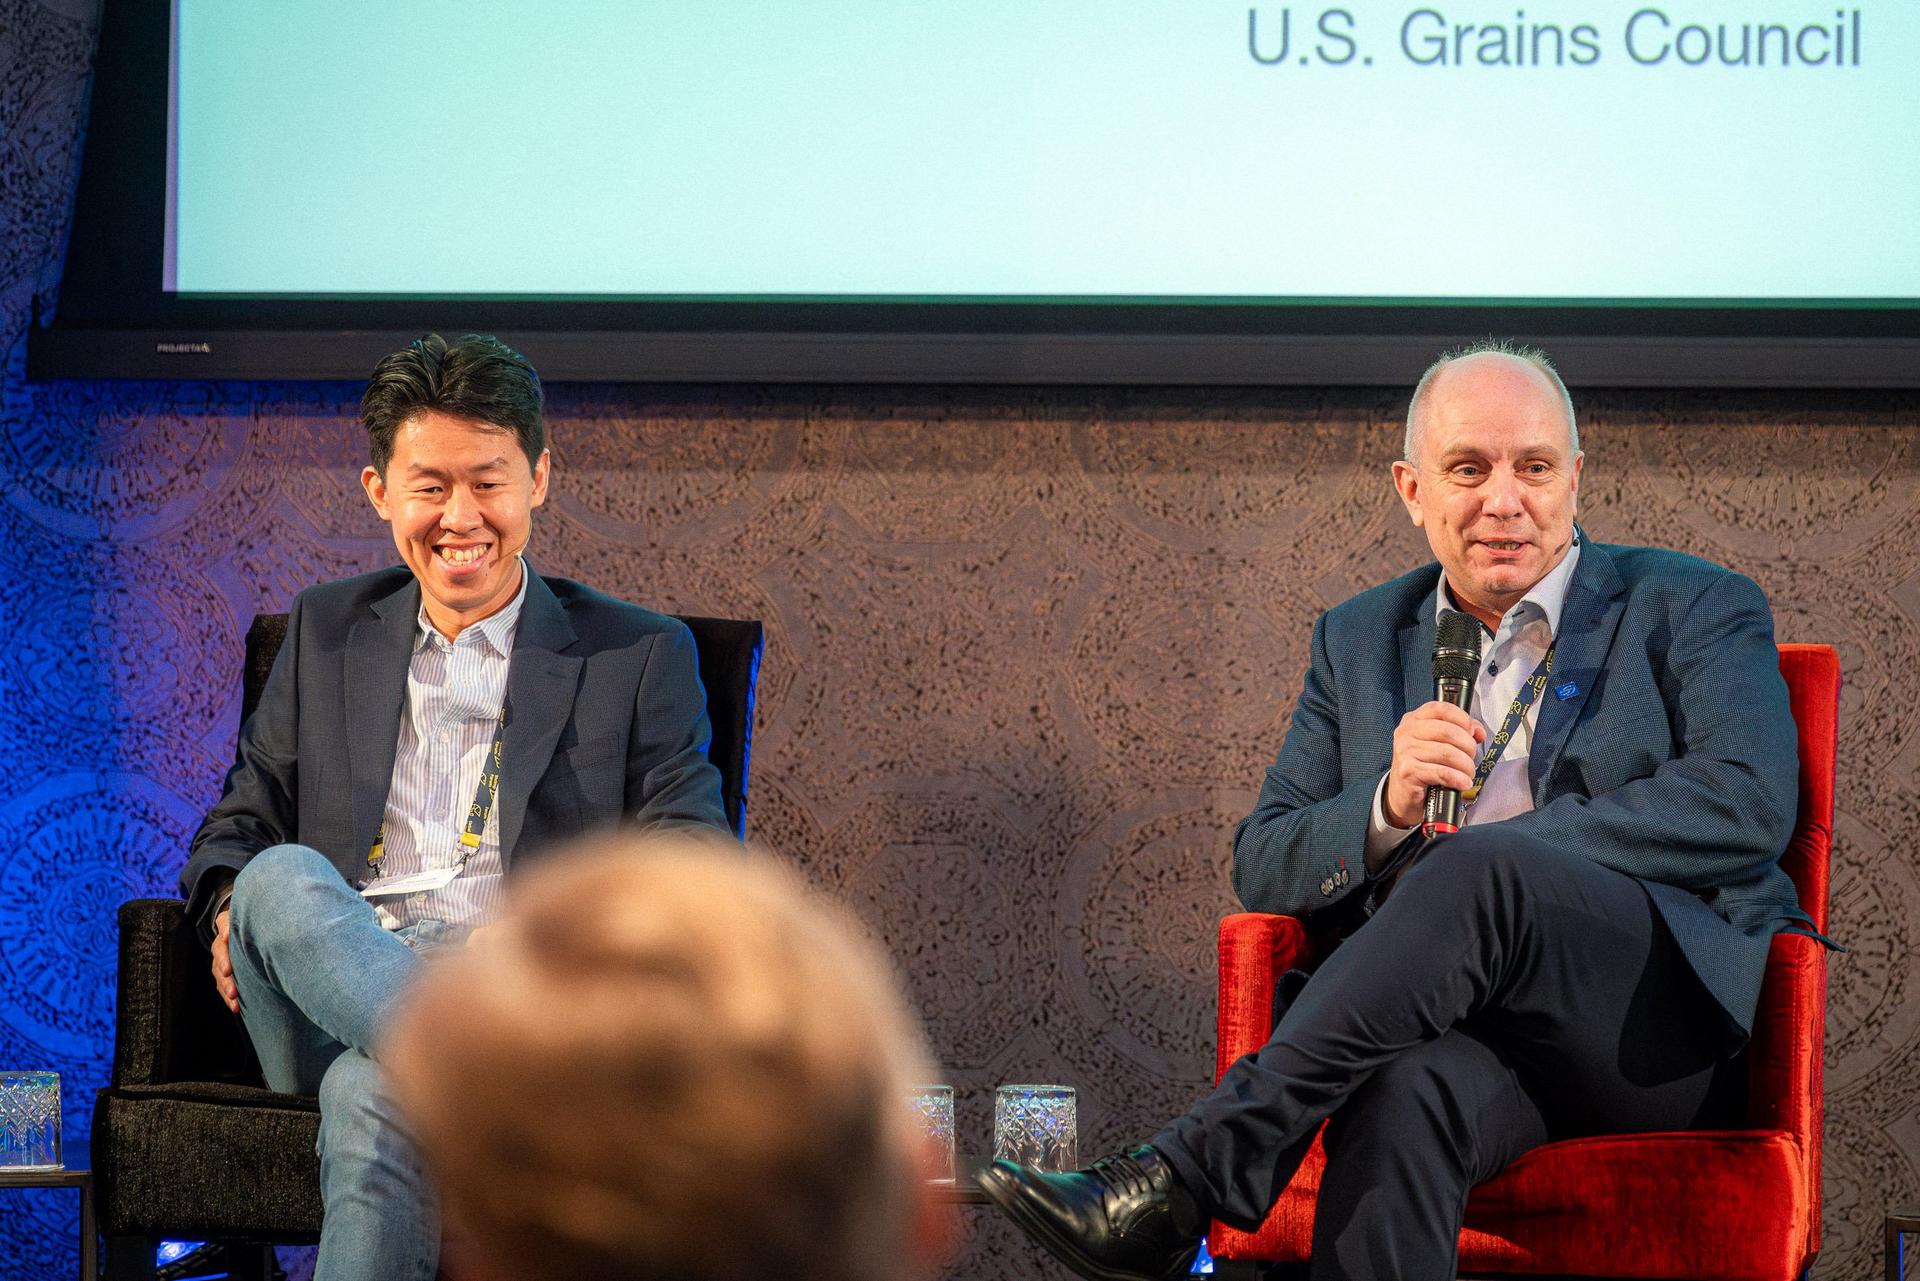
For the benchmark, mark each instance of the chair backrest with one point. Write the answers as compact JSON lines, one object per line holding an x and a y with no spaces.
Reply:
{"x":729,"y":657}
{"x":730,"y":651}
{"x":1812,"y":673}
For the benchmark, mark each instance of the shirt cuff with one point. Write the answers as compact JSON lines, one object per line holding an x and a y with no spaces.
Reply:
{"x":1383,"y":838}
{"x":208,"y":923}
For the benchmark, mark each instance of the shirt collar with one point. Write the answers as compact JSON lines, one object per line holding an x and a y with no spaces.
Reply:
{"x":1549,"y":595}
{"x":495,"y":629}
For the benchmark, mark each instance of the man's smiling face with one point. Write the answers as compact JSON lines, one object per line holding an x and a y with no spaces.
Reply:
{"x":1494,"y":482}
{"x":459,"y":495}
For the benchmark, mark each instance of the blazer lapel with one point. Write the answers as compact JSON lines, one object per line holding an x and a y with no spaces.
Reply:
{"x":1416,"y":652}
{"x":379,"y":651}
{"x":541,"y":682}
{"x":1596,"y":598}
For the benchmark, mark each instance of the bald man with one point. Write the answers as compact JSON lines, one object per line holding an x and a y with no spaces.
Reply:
{"x":1582,"y":957}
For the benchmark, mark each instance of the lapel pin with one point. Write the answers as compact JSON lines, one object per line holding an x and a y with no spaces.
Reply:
{"x":1566,"y":691}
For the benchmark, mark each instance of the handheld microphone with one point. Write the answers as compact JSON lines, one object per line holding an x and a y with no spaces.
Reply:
{"x":1456,"y":665}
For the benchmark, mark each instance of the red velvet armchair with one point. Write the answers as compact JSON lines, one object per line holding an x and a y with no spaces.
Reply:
{"x":1721,"y":1204}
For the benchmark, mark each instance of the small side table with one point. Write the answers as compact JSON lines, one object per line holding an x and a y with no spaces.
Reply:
{"x":963,"y":1190}
{"x":1898,"y":1228}
{"x":82,"y":1179}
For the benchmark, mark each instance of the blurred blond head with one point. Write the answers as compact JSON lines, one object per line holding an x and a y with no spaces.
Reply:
{"x":669,"y":1060}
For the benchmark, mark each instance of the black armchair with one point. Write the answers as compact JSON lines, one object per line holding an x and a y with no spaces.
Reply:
{"x":187,"y":1140}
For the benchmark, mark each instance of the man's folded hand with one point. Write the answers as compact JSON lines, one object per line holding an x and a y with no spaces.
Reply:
{"x":223,"y":963}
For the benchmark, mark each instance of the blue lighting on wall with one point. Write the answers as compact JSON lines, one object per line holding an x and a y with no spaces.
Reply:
{"x":134,"y":555}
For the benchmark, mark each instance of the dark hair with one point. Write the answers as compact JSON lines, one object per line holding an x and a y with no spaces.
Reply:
{"x":475,"y":376}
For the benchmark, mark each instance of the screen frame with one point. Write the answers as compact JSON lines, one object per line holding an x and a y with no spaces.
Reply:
{"x":114,"y":319}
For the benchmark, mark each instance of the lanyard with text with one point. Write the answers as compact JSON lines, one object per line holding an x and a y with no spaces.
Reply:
{"x":1515,"y":714}
{"x":484,"y":796}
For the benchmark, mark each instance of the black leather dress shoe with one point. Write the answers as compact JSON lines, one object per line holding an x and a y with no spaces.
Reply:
{"x":1111,"y":1222}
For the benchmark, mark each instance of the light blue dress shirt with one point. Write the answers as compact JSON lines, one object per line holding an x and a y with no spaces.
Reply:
{"x":455,"y":690}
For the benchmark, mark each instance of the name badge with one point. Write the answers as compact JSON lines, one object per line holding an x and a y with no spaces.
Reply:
{"x":414,"y":883}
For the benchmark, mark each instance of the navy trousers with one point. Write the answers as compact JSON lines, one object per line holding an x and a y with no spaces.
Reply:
{"x":1506,"y":993}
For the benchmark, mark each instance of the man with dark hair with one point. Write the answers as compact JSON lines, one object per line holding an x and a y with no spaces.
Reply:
{"x":1582,"y":957}
{"x":425,"y":729}
{"x":478,"y":378}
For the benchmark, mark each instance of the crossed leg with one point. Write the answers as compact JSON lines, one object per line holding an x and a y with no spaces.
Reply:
{"x":318,"y":977}
{"x":1507,"y":993}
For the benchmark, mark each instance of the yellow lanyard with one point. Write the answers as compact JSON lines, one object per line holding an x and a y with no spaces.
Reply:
{"x":1498,"y":744}
{"x":483,"y":799}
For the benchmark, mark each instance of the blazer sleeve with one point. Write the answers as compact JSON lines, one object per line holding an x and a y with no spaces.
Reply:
{"x":670,"y":782}
{"x":1300,"y":850}
{"x":257,"y":805}
{"x":1722,"y":809}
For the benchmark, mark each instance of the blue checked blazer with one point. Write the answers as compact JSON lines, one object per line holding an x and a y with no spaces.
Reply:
{"x":1675,"y":761}
{"x":609,"y":723}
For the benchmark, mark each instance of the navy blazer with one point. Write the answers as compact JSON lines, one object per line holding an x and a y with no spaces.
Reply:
{"x":608,"y":722}
{"x":1674,"y":760}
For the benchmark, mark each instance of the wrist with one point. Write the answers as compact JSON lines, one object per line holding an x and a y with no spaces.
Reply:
{"x":1403,"y":820}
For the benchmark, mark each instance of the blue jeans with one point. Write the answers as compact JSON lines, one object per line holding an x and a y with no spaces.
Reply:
{"x":318,"y":978}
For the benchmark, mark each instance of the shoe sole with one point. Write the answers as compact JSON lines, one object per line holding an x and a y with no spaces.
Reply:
{"x":1011,"y":1203}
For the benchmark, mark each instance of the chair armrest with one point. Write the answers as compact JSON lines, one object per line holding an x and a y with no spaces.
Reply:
{"x":1786,"y":1056}
{"x":169,"y":1022}
{"x":1256,"y":948}
{"x":139,"y":1015}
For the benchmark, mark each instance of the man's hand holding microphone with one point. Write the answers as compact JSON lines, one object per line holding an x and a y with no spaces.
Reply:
{"x":1436,"y":745}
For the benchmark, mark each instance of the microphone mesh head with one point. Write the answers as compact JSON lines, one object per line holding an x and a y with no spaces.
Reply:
{"x":1456,"y":648}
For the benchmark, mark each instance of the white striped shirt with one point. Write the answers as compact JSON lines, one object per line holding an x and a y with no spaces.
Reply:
{"x":1525,"y":632}
{"x":1513,"y":654}
{"x":454,"y":693}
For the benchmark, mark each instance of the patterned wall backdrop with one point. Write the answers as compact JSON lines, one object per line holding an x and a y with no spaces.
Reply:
{"x":1029,"y":652}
